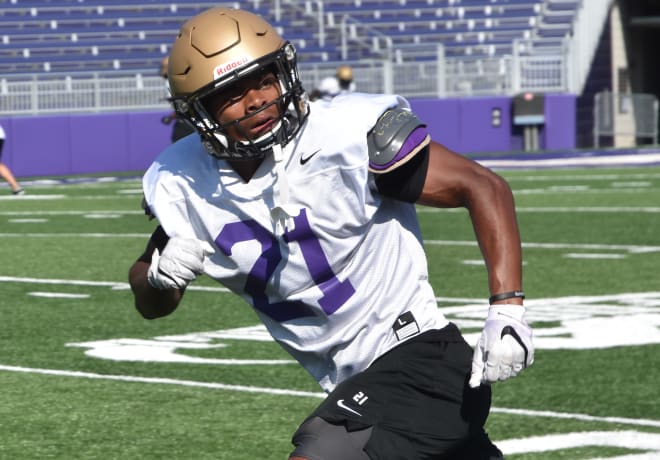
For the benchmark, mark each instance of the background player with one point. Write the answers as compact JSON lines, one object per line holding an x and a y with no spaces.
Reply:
{"x":5,"y":172}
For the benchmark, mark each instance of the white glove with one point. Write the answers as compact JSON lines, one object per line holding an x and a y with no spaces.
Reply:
{"x":505,"y":347}
{"x":179,"y":264}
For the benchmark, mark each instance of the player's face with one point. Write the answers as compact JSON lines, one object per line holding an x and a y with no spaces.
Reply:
{"x":243,"y":107}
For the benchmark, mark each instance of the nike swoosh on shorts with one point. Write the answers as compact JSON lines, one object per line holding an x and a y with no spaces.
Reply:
{"x":341,"y":404}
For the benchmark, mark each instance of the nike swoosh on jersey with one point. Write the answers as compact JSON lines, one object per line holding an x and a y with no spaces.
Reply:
{"x":304,"y":160}
{"x":341,"y":404}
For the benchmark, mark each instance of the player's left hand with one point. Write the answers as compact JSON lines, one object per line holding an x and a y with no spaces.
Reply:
{"x":505,"y":347}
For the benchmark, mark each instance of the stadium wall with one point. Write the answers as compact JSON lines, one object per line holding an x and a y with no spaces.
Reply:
{"x":83,"y":144}
{"x":467,"y":125}
{"x":126,"y":142}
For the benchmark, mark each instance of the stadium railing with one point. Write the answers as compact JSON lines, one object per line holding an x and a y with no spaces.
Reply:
{"x":626,"y":117}
{"x":413,"y":69}
{"x":441,"y":76}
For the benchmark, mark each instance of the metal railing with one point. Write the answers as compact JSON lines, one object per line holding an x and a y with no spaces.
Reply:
{"x":414,"y":71}
{"x":81,"y":94}
{"x":439,"y":77}
{"x":626,"y":117}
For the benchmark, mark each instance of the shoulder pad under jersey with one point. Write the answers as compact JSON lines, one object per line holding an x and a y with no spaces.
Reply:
{"x":397,"y":137}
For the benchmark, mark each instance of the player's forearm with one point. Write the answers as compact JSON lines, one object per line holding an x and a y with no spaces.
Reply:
{"x":151,"y":302}
{"x":496,"y":228}
{"x":453,"y":180}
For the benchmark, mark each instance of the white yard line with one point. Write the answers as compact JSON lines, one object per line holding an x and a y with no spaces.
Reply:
{"x":640,"y":159}
{"x":554,"y":209}
{"x":320,"y":395}
{"x":110,"y":284}
{"x":632,"y":248}
{"x":420,"y":209}
{"x":68,"y":213}
{"x":76,"y":235}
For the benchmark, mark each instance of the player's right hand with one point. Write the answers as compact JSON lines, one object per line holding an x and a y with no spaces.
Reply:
{"x":179,"y":264}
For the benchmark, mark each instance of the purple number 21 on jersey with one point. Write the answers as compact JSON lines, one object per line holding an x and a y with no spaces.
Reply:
{"x":335,"y":292}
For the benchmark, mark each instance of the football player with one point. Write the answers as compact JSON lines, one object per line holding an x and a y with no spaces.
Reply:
{"x":307,"y":211}
{"x":344,"y":75}
{"x":5,"y":172}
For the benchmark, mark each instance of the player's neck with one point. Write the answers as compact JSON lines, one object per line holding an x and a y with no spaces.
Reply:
{"x":245,"y":168}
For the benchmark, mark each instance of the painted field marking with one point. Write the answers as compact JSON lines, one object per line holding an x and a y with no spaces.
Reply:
{"x":58,"y":295}
{"x":120,"y":286}
{"x":641,"y":159}
{"x":31,"y":197}
{"x":556,"y":209}
{"x":579,"y":177}
{"x":592,"y":322}
{"x":28,"y":221}
{"x":582,"y":255}
{"x":309,"y":394}
{"x":69,"y":213}
{"x":631,"y":248}
{"x":627,"y":439}
{"x":420,"y":209}
{"x":602,"y":308}
{"x":634,"y":440}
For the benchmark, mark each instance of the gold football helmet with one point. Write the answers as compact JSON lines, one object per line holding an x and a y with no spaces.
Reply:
{"x":213,"y":50}
{"x":345,"y":73}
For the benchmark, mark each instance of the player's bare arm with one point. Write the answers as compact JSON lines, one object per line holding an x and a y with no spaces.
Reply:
{"x":505,"y":347}
{"x":151,"y":302}
{"x":455,"y":181}
{"x":162,"y":273}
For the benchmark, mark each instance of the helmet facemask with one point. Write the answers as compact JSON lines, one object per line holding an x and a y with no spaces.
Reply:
{"x":292,"y":105}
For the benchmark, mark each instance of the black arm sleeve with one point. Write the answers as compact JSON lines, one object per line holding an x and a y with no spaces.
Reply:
{"x":406,"y":182}
{"x":158,"y":241}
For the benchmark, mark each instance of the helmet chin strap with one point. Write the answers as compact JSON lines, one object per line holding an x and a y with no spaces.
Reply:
{"x":267,"y":138}
{"x":282,"y":213}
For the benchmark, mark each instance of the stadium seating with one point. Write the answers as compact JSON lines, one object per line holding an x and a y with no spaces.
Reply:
{"x":88,"y":35}
{"x":111,"y":35}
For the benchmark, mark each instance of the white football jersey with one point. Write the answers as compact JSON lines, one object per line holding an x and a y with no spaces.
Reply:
{"x":346,"y":279}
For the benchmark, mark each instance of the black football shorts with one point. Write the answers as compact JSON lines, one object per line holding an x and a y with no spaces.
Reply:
{"x":415,"y":403}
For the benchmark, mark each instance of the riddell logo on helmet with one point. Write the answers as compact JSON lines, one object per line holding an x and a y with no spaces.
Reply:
{"x":224,"y":68}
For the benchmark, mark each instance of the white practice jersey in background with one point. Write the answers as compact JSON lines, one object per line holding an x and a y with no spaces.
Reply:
{"x":346,"y":280}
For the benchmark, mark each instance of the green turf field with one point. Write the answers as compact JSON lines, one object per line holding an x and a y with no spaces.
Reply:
{"x":83,"y":376}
